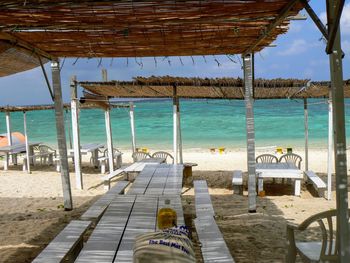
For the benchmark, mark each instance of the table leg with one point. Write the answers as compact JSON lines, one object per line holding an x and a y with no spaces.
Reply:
{"x":31,"y":153}
{"x":95,"y":158}
{"x":6,"y":162}
{"x":297,"y":185}
{"x":260,"y":185}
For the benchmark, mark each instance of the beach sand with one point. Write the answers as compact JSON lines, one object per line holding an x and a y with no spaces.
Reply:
{"x":31,"y":212}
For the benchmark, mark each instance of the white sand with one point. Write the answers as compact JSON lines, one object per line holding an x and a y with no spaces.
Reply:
{"x":31,"y":211}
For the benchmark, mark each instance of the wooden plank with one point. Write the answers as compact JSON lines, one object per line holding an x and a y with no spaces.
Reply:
{"x":173,"y":184}
{"x":214,"y":248}
{"x":64,"y":244}
{"x":105,"y":239}
{"x":141,"y":183}
{"x":176,"y":204}
{"x":158,"y":180}
{"x":204,"y":207}
{"x":96,"y":210}
{"x":142,"y":220}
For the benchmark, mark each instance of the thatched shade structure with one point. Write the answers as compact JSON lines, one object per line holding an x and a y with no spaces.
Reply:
{"x":221,"y":88}
{"x":55,"y":29}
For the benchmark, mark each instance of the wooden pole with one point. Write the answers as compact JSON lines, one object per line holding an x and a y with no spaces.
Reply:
{"x":69,"y":129}
{"x":76,"y":134}
{"x":8,"y":128}
{"x":61,"y":135}
{"x":108,"y":130}
{"x":306,"y":126}
{"x":132,"y":125}
{"x":248,"y":69}
{"x":9,"y":136}
{"x":336,"y":70}
{"x":26,"y":141}
{"x":175,"y":129}
{"x":179,"y":131}
{"x":330,"y":147}
{"x":109,"y":140}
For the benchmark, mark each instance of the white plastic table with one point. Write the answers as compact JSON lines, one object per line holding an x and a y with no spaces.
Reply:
{"x":16,"y":148}
{"x":90,"y":148}
{"x":279,"y":170}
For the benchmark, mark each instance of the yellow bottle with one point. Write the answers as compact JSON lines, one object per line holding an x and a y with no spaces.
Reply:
{"x":167,"y":217}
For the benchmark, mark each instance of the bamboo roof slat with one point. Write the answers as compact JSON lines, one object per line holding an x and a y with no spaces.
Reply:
{"x":140,"y":28}
{"x":219,"y":88}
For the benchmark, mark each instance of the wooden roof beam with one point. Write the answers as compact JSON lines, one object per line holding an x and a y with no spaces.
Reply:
{"x":279,"y":19}
{"x":333,"y":29}
{"x":315,"y":18}
{"x":26,"y":45}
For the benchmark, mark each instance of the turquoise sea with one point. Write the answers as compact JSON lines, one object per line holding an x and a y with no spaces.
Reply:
{"x":205,"y":124}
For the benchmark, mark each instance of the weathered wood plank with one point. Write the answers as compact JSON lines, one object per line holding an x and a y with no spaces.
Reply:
{"x":96,"y":210}
{"x":142,"y":220}
{"x":105,"y":239}
{"x":142,"y":181}
{"x":204,"y":207}
{"x":66,"y":244}
{"x":213,"y":247}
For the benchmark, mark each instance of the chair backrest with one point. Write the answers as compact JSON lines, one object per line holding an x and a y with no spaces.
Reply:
{"x":105,"y":152}
{"x":164,"y":155}
{"x":266,"y":158}
{"x":45,"y":149}
{"x":326,"y":220}
{"x":138,"y":156}
{"x":291,"y":158}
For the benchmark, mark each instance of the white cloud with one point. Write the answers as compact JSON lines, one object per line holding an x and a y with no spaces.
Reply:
{"x":298,"y":46}
{"x":344,"y":21}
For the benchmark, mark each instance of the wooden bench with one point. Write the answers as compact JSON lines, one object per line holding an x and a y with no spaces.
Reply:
{"x":213,"y":246}
{"x":237,"y":182}
{"x":107,"y":178}
{"x":95,"y":212}
{"x":317,"y":183}
{"x":202,"y":199}
{"x":66,"y":245}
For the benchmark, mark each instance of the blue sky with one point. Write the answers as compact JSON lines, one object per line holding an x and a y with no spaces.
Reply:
{"x":298,"y":54}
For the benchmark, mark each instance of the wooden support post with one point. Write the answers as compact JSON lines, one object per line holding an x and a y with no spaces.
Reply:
{"x":109,"y":140}
{"x":8,"y":129}
{"x":336,"y":70}
{"x":179,"y":131}
{"x":26,"y":141}
{"x":306,"y":126}
{"x":248,"y":69}
{"x":132,"y":125}
{"x":175,"y":129}
{"x":76,"y":134}
{"x":330,"y":147}
{"x":61,"y":135}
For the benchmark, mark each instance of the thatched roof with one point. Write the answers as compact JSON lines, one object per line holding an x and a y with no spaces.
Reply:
{"x":16,"y":59}
{"x":140,"y":28}
{"x":220,"y":88}
{"x":50,"y":107}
